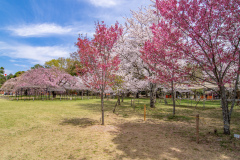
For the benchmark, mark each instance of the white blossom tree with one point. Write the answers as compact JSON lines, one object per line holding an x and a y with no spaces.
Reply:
{"x":137,"y":32}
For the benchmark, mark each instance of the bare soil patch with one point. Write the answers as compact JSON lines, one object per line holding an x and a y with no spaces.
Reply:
{"x":165,"y":140}
{"x":134,"y":138}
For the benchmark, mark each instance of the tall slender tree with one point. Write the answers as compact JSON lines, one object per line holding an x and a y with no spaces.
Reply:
{"x":98,"y":60}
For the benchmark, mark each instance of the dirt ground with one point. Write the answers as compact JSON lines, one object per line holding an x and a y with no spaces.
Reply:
{"x":134,"y":138}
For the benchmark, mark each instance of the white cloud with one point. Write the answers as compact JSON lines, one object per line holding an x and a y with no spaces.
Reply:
{"x":39,"y":30}
{"x":36,"y":54}
{"x":21,"y":65}
{"x":48,"y":30}
{"x":104,"y":3}
{"x":12,"y":60}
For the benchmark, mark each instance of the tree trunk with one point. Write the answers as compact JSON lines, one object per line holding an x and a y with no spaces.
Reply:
{"x":173,"y":98}
{"x":102,"y":107}
{"x":122,"y":96}
{"x":115,"y":107}
{"x":195,"y":95}
{"x":137,"y":95}
{"x":225,"y":111}
{"x":165,"y":100}
{"x":54,"y":94}
{"x":152,"y":95}
{"x":119,"y":102}
{"x":155,"y":95}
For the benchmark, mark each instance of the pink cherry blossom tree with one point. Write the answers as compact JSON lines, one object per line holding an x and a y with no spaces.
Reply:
{"x":210,"y":32}
{"x":163,"y":58}
{"x":99,"y":61}
{"x":45,"y":78}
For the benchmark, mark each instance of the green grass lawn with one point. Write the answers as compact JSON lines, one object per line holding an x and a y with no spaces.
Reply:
{"x":59,"y":129}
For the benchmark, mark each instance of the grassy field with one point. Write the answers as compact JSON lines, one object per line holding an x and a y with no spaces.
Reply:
{"x":71,"y":130}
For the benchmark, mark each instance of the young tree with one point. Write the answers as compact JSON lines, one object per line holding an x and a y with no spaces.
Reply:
{"x":117,"y":87}
{"x":98,"y":60}
{"x":163,"y":58}
{"x":210,"y":40}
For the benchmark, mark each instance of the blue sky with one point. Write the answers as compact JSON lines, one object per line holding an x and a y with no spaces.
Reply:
{"x":35,"y":31}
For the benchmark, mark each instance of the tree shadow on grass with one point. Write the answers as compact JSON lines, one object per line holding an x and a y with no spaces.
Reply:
{"x":125,"y":110}
{"x":161,"y":141}
{"x":108,"y":106}
{"x":198,"y":107}
{"x":82,"y":122}
{"x":96,"y":106}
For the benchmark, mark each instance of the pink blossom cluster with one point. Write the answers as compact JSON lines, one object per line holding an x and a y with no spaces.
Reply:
{"x":99,"y":63}
{"x":46,"y":77}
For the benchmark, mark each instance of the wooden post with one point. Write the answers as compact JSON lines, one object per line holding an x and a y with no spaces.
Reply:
{"x":131,"y":102}
{"x":197,"y":128}
{"x":204,"y":98}
{"x":144,"y":112}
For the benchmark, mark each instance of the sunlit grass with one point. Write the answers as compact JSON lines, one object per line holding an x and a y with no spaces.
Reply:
{"x":60,"y":129}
